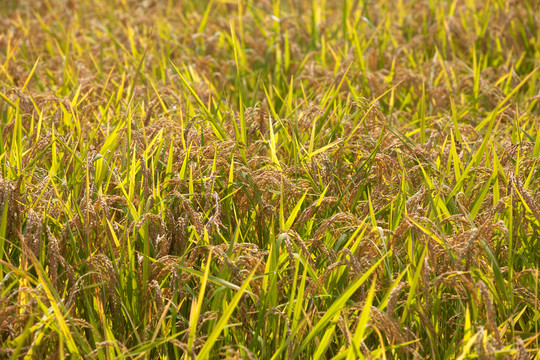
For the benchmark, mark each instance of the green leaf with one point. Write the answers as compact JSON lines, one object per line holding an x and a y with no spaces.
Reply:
{"x":223,"y":320}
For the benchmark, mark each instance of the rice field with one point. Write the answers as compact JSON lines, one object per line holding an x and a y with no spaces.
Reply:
{"x":269,"y":179}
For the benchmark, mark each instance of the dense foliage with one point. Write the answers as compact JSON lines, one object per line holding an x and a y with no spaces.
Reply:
{"x":269,"y":179}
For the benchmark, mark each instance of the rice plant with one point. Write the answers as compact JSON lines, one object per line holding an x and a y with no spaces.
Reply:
{"x":270,"y":179}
